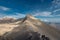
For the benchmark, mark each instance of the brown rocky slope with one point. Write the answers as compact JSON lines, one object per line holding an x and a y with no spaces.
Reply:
{"x":31,"y":24}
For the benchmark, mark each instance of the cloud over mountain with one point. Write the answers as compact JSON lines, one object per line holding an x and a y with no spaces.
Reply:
{"x":4,"y":8}
{"x":4,"y":12}
{"x":46,"y":13}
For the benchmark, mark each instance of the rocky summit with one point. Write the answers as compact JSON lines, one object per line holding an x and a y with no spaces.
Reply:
{"x":28,"y":28}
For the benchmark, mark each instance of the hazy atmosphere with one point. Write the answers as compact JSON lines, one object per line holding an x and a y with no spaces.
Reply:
{"x":46,"y":10}
{"x":29,"y":19}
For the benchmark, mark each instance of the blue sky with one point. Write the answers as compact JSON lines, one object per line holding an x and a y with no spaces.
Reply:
{"x":46,"y":10}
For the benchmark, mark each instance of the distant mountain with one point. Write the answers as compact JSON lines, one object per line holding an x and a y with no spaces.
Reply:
{"x":53,"y":24}
{"x":32,"y":24}
{"x":7,"y":20}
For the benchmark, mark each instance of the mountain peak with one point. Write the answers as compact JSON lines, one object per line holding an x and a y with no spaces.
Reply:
{"x":29,"y":16}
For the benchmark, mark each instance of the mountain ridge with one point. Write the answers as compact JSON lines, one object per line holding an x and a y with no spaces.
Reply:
{"x":30,"y":23}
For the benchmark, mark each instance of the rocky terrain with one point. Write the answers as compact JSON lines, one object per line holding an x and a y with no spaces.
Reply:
{"x":25,"y":26}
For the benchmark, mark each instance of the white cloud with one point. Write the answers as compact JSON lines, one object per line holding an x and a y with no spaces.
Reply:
{"x":55,"y":4}
{"x":18,"y":15}
{"x":53,"y":20}
{"x":4,"y":8}
{"x":56,"y":10}
{"x":56,"y":20}
{"x":2,"y":15}
{"x":13,"y":14}
{"x":46,"y":13}
{"x":45,"y":20}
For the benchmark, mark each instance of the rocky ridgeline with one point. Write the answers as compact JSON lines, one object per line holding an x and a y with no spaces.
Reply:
{"x":26,"y":36}
{"x":30,"y":28}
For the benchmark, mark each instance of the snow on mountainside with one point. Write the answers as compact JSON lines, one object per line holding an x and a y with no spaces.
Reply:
{"x":30,"y":23}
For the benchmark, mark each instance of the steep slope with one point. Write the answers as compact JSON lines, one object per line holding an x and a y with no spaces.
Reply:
{"x":30,"y":23}
{"x":43,"y":28}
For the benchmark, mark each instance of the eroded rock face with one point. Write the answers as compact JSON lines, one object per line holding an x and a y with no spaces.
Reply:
{"x":25,"y":36}
{"x":31,"y":28}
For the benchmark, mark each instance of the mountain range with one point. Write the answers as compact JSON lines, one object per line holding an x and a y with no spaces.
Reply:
{"x":30,"y":24}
